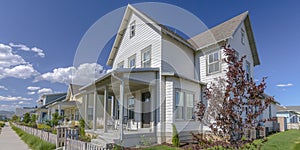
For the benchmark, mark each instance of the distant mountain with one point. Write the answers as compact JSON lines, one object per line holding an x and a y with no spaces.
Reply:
{"x":8,"y":114}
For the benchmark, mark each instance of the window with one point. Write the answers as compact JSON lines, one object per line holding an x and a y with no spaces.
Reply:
{"x":146,"y":57}
{"x":243,"y":36}
{"x":132,"y":29}
{"x":189,"y":106}
{"x":270,"y":111}
{"x":248,"y":75}
{"x":120,"y":65}
{"x":130,"y":108}
{"x":90,"y":113}
{"x":179,"y":98}
{"x":214,"y":62}
{"x":131,"y":62}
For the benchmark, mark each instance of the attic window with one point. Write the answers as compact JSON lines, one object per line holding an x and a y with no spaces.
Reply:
{"x":242,"y":36}
{"x":132,"y":29}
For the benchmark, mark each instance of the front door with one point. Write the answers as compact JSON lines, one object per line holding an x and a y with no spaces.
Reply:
{"x":146,"y":109}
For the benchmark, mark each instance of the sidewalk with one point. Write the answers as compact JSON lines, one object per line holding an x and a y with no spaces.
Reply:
{"x":9,"y":140}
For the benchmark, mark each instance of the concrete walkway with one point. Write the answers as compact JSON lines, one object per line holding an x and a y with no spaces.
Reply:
{"x":9,"y":140}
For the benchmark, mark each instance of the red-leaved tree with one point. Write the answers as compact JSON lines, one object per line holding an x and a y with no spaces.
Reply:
{"x":234,"y":104}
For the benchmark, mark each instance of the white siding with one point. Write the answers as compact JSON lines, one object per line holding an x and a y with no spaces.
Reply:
{"x":243,"y":49}
{"x":236,"y":44}
{"x":177,"y":58}
{"x":144,"y":36}
{"x":201,"y":60}
{"x":169,"y":93}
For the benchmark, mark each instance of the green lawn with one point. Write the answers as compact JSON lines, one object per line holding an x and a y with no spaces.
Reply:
{"x":289,"y":140}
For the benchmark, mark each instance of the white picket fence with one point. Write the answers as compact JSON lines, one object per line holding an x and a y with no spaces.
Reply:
{"x":69,"y":144}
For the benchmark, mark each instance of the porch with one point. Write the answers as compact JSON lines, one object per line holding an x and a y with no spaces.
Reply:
{"x":122,"y":105}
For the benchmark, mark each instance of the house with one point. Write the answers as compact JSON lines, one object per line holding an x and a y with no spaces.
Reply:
{"x":68,"y":105}
{"x":43,"y":112}
{"x":20,"y":112}
{"x":157,"y":78}
{"x":290,"y":115}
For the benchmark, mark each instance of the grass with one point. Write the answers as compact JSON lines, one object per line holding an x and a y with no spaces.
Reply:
{"x":33,"y":142}
{"x":288,"y":140}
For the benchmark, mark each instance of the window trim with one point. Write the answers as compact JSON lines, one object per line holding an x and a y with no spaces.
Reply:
{"x":132,"y":30}
{"x":219,"y":61}
{"x":248,"y":66}
{"x":243,"y":36}
{"x":129,"y":60}
{"x":120,"y":64}
{"x":129,"y":108}
{"x":145,"y":50}
{"x":184,"y":109}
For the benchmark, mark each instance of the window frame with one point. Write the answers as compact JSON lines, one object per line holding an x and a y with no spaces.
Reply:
{"x":132,"y":28}
{"x":242,"y":36}
{"x":208,"y":63}
{"x":120,"y":64}
{"x":130,"y":108}
{"x":143,"y":62}
{"x":248,"y":70}
{"x":184,"y":115}
{"x":133,"y":57}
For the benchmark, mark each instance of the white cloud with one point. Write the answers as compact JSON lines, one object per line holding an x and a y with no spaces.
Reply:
{"x":21,"y":71}
{"x":3,"y":87}
{"x":13,"y":98}
{"x":20,"y":46}
{"x":23,"y":102}
{"x":13,"y":65}
{"x":83,"y":74}
{"x":40,"y":52}
{"x":30,"y":93}
{"x":284,"y":85}
{"x":8,"y":59}
{"x":44,"y":91}
{"x":33,"y":88}
{"x":23,"y":47}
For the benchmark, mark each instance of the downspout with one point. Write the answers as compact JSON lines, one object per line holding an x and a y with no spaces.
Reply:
{"x":121,"y":104}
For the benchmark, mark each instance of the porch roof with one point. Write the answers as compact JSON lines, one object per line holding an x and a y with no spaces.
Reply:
{"x":107,"y":79}
{"x":63,"y":104}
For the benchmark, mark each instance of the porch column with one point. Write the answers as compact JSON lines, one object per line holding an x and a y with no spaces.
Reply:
{"x":95,"y":111}
{"x":49,"y":117}
{"x":59,"y":110}
{"x":86,"y":106}
{"x":121,"y":110}
{"x":105,"y":110}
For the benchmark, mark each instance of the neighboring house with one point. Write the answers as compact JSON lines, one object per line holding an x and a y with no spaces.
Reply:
{"x":157,"y":78}
{"x":21,"y":111}
{"x":68,"y":106}
{"x":270,"y":115}
{"x":291,"y":115}
{"x":47,"y":99}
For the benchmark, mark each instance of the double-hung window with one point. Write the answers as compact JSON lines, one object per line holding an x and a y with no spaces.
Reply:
{"x":120,"y":65}
{"x":146,"y":57}
{"x":131,"y":62}
{"x":189,"y":106}
{"x":132,"y":29}
{"x":214,"y":63}
{"x":184,"y":105}
{"x":179,"y":105}
{"x":130,"y":108}
{"x":248,"y":71}
{"x":242,"y":36}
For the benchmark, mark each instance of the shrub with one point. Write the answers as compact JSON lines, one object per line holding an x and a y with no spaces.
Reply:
{"x":26,"y":118}
{"x":175,"y":137}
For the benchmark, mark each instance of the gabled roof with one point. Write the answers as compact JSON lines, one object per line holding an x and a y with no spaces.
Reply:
{"x":159,"y":27}
{"x":50,"y":98}
{"x":294,"y":108}
{"x":224,"y":31}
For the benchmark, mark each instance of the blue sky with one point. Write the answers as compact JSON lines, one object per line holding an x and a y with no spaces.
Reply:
{"x":40,"y":37}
